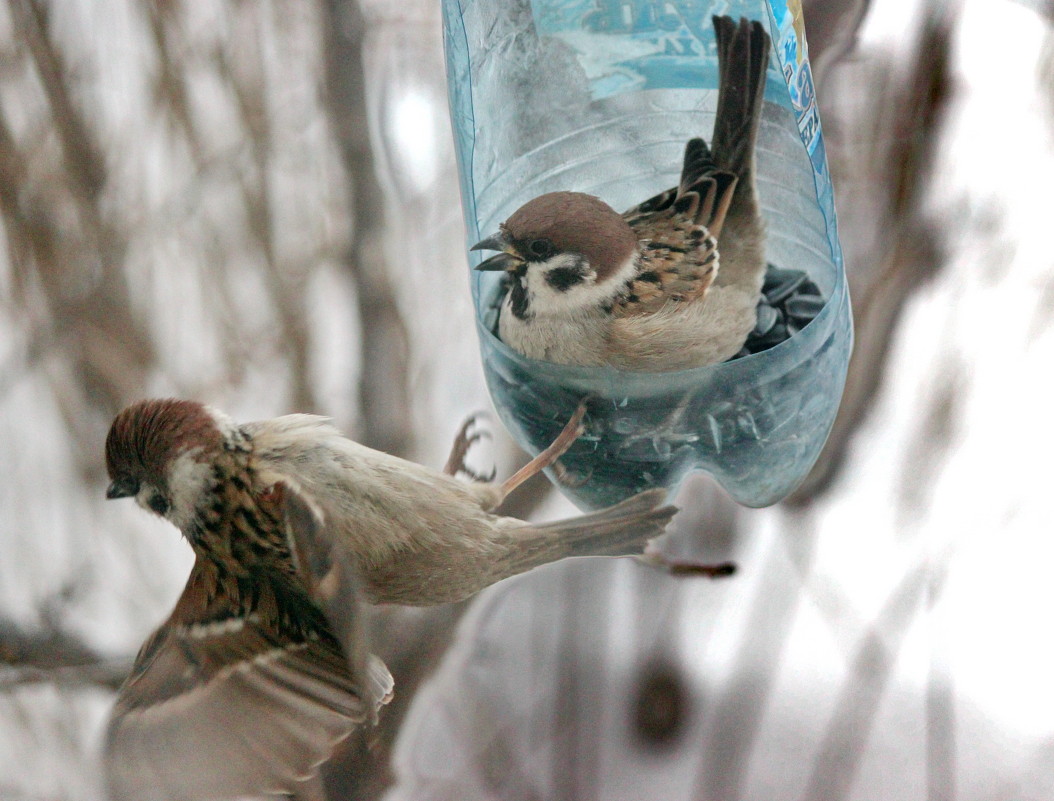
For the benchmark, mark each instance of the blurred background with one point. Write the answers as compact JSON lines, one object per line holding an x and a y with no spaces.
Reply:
{"x":255,"y":204}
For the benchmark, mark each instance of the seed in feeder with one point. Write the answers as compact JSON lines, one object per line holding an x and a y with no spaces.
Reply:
{"x":780,"y":284}
{"x":745,"y":421}
{"x":804,"y":307}
{"x":715,"y":431}
{"x":767,"y":318}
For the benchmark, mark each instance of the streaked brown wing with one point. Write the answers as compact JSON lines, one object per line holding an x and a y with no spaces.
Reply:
{"x":223,"y":703}
{"x":678,"y":229}
{"x":678,"y":261}
{"x":702,"y":197}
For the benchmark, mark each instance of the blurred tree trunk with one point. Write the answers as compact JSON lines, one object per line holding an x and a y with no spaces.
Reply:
{"x":383,"y":386}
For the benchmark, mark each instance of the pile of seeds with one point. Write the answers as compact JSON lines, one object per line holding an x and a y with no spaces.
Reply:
{"x":789,"y":301}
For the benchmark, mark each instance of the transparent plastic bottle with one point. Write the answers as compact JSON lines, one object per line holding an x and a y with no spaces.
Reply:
{"x":600,"y":96}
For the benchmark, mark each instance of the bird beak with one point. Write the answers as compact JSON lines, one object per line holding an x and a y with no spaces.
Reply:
{"x":492,"y":242}
{"x":503,"y":261}
{"x":507,"y":260}
{"x":123,"y":487}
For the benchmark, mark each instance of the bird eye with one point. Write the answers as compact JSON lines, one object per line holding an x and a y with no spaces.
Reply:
{"x":541,"y":248}
{"x":158,"y":503}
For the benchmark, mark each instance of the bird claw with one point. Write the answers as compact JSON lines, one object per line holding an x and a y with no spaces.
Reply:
{"x":569,"y":479}
{"x":480,"y":478}
{"x":685,"y":567}
{"x":714,"y":571}
{"x":465,"y":438}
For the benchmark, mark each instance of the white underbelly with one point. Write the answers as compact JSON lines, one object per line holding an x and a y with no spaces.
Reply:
{"x":560,"y":339}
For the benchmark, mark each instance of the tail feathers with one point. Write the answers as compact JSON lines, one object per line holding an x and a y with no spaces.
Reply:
{"x":698,"y":162}
{"x":707,"y":198}
{"x":742,"y":56}
{"x":619,"y":530}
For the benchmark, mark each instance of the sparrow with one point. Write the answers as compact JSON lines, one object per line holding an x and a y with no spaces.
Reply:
{"x":672,"y":283}
{"x":262,"y":668}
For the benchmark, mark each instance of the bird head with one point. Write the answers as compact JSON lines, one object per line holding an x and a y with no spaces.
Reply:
{"x":160,"y":452}
{"x":564,"y":251}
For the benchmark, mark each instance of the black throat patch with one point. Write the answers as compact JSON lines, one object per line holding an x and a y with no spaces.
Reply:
{"x":519,"y":303}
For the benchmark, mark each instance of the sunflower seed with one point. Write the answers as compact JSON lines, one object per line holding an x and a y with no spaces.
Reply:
{"x":780,"y":284}
{"x":767,"y":318}
{"x":804,"y":308}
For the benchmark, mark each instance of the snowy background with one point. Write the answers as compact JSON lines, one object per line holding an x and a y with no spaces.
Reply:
{"x":214,"y":200}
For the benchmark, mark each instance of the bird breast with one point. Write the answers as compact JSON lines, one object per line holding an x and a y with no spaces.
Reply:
{"x":572,"y":338}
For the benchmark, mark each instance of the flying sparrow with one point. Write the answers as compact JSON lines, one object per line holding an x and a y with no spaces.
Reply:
{"x":261,"y":668}
{"x":643,"y":290}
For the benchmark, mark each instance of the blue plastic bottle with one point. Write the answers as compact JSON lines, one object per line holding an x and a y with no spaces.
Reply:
{"x":600,"y":96}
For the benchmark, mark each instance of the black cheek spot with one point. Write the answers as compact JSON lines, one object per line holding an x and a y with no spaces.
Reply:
{"x":563,"y":278}
{"x":158,"y":503}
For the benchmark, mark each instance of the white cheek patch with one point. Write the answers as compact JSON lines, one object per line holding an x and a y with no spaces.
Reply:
{"x":142,"y":498}
{"x":586,"y":294}
{"x":188,"y":481}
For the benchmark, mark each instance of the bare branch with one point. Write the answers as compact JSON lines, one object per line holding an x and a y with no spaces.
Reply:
{"x":909,"y":245}
{"x":833,"y":28}
{"x":50,"y":655}
{"x":170,"y":83}
{"x":67,"y":259}
{"x":383,"y":388}
{"x":83,"y":159}
{"x":871,"y":670}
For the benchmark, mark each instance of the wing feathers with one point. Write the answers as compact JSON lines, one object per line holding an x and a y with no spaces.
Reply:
{"x":225,"y":702}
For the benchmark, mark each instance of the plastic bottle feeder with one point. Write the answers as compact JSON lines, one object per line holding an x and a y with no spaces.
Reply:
{"x":600,"y":96}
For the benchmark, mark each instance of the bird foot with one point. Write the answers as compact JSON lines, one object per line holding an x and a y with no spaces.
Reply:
{"x":467,"y":436}
{"x":714,"y":571}
{"x":569,"y":479}
{"x":686,"y":567}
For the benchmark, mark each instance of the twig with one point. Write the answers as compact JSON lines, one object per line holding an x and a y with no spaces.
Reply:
{"x":109,"y":674}
{"x":383,"y":387}
{"x":282,"y":282}
{"x":53,"y":656}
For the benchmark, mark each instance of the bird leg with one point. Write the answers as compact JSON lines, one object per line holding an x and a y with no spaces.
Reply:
{"x":566,"y":438}
{"x":464,"y":440}
{"x":490,"y":495}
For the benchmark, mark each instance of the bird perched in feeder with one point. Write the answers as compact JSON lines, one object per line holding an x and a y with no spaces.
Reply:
{"x":672,"y":283}
{"x":261,"y":668}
